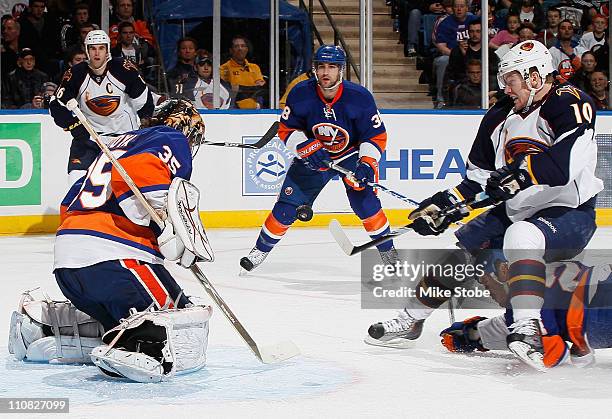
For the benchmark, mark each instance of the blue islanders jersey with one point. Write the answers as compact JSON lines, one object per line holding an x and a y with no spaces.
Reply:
{"x":102,"y":219}
{"x":347,"y":124}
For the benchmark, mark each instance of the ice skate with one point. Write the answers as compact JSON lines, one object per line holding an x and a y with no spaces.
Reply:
{"x":525,"y":341}
{"x":400,"y":332}
{"x":390,"y":257}
{"x":252,"y":260}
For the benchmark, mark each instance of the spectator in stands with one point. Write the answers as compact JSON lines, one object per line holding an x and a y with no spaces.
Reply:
{"x":468,"y":93}
{"x":128,"y":48}
{"x":70,"y":31}
{"x":602,"y":54}
{"x":599,"y":89}
{"x":244,"y":77}
{"x":582,"y":77}
{"x":548,"y":35}
{"x":566,"y":54}
{"x":528,"y":11}
{"x":598,"y":36}
{"x":414,"y":22}
{"x":76,"y":57}
{"x":10,"y":46}
{"x":465,"y":51}
{"x":449,"y":32}
{"x":24,"y":82}
{"x":203,"y":88}
{"x":573,"y":11}
{"x":83,"y":29}
{"x":526,"y":32}
{"x":508,"y":36}
{"x":40,"y":32}
{"x":124,"y":12}
{"x":184,"y":68}
{"x":495,"y":24}
{"x":41,"y":100}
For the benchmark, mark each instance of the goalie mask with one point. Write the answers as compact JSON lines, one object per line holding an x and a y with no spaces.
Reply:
{"x":181,"y":115}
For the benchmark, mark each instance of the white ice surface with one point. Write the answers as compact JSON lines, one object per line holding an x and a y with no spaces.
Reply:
{"x":307,"y":291}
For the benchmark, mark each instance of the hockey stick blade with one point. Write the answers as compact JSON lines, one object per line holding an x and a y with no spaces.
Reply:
{"x":278,"y":352}
{"x":265,"y":139}
{"x":335,"y":228}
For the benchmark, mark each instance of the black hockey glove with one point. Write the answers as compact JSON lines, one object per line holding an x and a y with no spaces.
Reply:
{"x":427,"y":218}
{"x":506,"y":182}
{"x":78,"y":131}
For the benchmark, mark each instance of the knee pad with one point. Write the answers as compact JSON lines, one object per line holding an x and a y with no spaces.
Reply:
{"x":52,"y":331}
{"x":153,"y":346}
{"x":523,"y":240}
{"x":285,"y":213}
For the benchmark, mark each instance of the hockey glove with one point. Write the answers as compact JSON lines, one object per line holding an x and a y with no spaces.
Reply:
{"x":172,"y":247}
{"x":427,"y":220}
{"x":366,"y":171}
{"x":78,"y":131}
{"x":506,"y":182}
{"x":463,"y":336}
{"x":314,"y":155}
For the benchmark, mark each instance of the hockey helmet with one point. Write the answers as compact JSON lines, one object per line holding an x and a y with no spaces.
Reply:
{"x":523,"y":57}
{"x":97,"y":37}
{"x":181,"y":115}
{"x":332,"y":54}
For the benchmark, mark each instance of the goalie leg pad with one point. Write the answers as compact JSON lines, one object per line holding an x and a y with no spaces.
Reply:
{"x":152,"y":346}
{"x":52,"y":331}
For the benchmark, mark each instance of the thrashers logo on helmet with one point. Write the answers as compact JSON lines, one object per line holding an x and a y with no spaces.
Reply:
{"x":527,"y":46}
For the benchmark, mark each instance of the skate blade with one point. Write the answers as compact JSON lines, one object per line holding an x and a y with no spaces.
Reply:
{"x":278,"y":352}
{"x":243,"y":272}
{"x":397,"y":343}
{"x":534,"y":360}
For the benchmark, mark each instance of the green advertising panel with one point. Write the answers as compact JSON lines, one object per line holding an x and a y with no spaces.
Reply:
{"x":20,"y":164}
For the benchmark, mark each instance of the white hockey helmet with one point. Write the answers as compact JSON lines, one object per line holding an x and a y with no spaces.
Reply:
{"x":522,"y":58}
{"x":97,"y":37}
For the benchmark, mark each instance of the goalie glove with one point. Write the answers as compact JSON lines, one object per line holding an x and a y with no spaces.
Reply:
{"x":172,"y":247}
{"x":463,"y":336}
{"x":509,"y":180}
{"x":427,"y":220}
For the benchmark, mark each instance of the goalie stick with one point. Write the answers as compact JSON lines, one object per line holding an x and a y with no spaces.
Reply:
{"x":345,"y":244}
{"x":268,"y":354}
{"x":265,"y":139}
{"x":375,"y":185}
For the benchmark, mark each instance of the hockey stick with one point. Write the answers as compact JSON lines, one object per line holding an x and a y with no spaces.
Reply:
{"x":265,"y":139}
{"x":345,"y":244}
{"x":266,"y":355}
{"x":375,"y":185}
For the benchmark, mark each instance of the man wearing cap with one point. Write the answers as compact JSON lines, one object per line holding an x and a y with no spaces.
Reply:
{"x":203,"y":85}
{"x":24,"y":82}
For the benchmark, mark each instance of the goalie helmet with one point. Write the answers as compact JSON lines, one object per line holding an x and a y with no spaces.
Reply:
{"x":522,"y":58}
{"x":331,"y":54}
{"x":181,"y":115}
{"x":98,"y":37}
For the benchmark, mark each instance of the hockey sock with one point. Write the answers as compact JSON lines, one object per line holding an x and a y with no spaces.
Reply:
{"x":275,"y":226}
{"x":377,"y":225}
{"x":527,"y":285}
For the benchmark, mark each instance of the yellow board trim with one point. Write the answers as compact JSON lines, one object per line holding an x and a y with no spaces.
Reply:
{"x":44,"y":224}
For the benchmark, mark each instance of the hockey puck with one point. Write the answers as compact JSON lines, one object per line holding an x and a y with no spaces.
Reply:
{"x":304,"y":213}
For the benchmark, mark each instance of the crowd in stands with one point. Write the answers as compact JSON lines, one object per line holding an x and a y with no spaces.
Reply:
{"x":446,"y":38}
{"x":40,"y":42}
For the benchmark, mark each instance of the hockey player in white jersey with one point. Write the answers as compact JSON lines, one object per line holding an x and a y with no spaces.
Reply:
{"x":535,"y":157}
{"x":109,"y":91}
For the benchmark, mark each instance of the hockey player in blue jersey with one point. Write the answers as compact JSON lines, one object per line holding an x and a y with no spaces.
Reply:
{"x":108,"y":258}
{"x":535,"y":156}
{"x":328,"y":119}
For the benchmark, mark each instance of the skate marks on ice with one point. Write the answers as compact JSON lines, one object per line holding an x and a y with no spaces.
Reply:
{"x":563,"y":382}
{"x":231,"y":374}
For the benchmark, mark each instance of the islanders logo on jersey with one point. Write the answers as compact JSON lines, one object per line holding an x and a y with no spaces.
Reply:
{"x":523,"y":146}
{"x":334,"y":138}
{"x":103,"y":105}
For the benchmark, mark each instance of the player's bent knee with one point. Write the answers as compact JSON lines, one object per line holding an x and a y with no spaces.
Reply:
{"x":153,"y":346}
{"x":524,"y":240}
{"x":52,"y":331}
